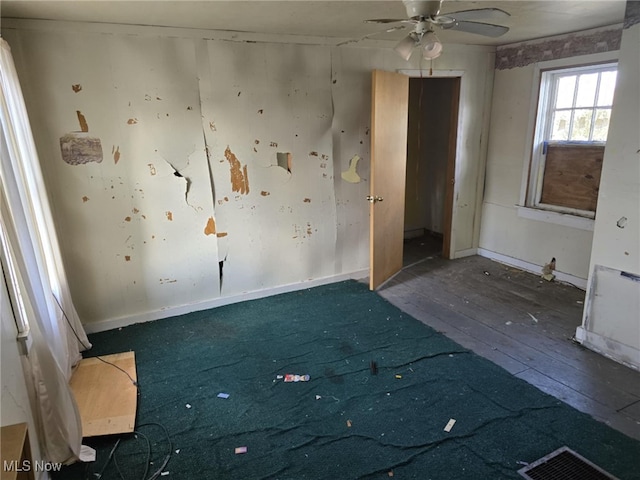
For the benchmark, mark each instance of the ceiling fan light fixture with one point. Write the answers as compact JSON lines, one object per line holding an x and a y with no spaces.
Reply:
{"x":432,"y":47}
{"x":404,"y":48}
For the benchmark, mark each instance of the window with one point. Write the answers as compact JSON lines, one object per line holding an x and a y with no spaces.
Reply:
{"x":574,"y":109}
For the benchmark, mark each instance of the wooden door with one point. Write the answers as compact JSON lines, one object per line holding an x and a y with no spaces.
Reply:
{"x":451,"y":169}
{"x":389,"y":117}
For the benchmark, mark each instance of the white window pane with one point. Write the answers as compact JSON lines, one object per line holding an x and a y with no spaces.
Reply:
{"x":607,"y":87}
{"x":564,"y":95}
{"x":581,"y":124}
{"x":601,"y":127}
{"x":560,"y":129}
{"x":587,"y":90}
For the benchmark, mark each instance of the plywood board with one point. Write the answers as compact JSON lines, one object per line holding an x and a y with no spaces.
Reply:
{"x":572,"y":176}
{"x":106,"y":397}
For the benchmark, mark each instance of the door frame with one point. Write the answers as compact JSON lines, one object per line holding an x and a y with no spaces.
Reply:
{"x":448,"y":234}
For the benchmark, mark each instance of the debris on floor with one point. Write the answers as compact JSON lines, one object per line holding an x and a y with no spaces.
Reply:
{"x":290,"y":377}
{"x":449,"y":425}
{"x":240,"y":450}
{"x":374,"y":367}
{"x":547,"y":270}
{"x":223,"y":395}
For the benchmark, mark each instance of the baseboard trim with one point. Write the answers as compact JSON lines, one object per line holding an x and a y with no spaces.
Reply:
{"x":581,"y":283}
{"x":120,"y":322}
{"x":609,"y":348}
{"x":465,"y":253}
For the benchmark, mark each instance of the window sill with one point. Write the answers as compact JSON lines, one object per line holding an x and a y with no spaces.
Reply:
{"x":25,"y":341}
{"x":564,"y":219}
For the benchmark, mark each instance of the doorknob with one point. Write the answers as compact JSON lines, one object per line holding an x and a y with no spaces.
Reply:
{"x":372,"y":199}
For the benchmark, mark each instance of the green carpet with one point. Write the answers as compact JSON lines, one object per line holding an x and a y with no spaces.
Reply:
{"x":345,"y":422}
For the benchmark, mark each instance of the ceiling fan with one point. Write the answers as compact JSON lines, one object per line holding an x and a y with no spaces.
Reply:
{"x":424,"y":15}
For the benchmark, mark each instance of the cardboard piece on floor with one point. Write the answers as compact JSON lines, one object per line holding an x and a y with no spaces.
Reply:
{"x":106,"y":397}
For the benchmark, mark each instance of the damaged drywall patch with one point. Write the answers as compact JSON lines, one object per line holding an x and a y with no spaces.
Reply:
{"x":239,"y":174}
{"x":76,"y":88}
{"x":622,"y":222}
{"x":116,"y":154}
{"x":351,"y":175}
{"x":84,"y":127}
{"x":78,"y":148}
{"x":284,"y":160}
{"x":177,"y":173}
{"x":210,"y":228}
{"x":169,"y":216}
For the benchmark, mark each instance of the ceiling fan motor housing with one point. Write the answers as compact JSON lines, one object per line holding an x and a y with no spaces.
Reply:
{"x":422,"y":8}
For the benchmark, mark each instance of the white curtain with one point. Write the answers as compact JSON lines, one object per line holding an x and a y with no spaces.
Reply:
{"x":29,"y":229}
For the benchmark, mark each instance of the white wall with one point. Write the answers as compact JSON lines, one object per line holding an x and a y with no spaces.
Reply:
{"x":508,"y":233}
{"x":162,"y":100}
{"x":611,"y":323}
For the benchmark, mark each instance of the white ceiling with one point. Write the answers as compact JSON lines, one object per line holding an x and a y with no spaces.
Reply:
{"x":337,"y":19}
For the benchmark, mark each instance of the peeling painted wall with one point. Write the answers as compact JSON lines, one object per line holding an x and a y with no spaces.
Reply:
{"x":125,"y":255}
{"x":222,"y":160}
{"x":265,"y":99}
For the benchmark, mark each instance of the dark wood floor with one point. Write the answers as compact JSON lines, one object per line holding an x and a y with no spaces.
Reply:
{"x":519,"y":321}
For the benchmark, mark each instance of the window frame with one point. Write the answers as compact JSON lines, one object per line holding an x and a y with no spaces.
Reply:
{"x":534,"y":165}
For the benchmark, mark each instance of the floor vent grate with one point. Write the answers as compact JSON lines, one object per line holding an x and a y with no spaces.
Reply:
{"x":564,"y":464}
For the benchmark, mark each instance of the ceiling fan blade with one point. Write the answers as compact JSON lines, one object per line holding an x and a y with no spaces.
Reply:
{"x":478,"y":14}
{"x":486,"y":29}
{"x":355,"y":40}
{"x":385,"y":20}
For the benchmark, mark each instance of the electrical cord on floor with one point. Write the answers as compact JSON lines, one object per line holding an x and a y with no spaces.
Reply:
{"x":158,"y":472}
{"x":112,"y":454}
{"x":146,"y":468}
{"x":86,"y":347}
{"x":113,"y":457}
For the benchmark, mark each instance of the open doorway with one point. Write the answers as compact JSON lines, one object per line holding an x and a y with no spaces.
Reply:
{"x":431,"y":152}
